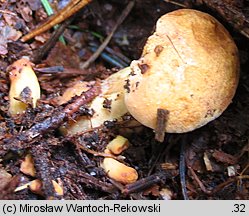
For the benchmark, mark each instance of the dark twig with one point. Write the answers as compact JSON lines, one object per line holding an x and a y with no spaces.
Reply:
{"x":182,"y":169}
{"x":228,"y":182}
{"x":95,"y":153}
{"x":92,"y":182}
{"x":41,"y":52}
{"x":176,"y":3}
{"x":50,"y":70}
{"x":108,"y":38}
{"x":43,"y":171}
{"x":58,"y":70}
{"x":161,"y":151}
{"x":76,"y":190}
{"x":143,"y":184}
{"x":113,"y":60}
{"x":80,"y":145}
{"x":201,"y":185}
{"x":121,"y":187}
{"x":162,"y":116}
{"x":84,"y":160}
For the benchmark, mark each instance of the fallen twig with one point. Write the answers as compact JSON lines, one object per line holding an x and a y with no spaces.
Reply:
{"x":229,"y":181}
{"x":75,"y":189}
{"x":69,"y":10}
{"x":92,"y":182}
{"x":40,"y":53}
{"x":143,"y":184}
{"x":161,"y":122}
{"x":161,"y":151}
{"x":43,"y":171}
{"x":108,"y":38}
{"x":95,"y":153}
{"x":176,"y":3}
{"x":202,"y":186}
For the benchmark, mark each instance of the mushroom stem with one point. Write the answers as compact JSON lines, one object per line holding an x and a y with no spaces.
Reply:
{"x":109,"y":105}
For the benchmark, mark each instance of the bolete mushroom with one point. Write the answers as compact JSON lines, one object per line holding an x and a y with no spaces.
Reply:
{"x":189,"y":67}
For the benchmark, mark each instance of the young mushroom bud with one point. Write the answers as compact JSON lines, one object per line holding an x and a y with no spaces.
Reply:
{"x":114,"y":169}
{"x":189,"y":67}
{"x":119,"y":171}
{"x":24,"y":86}
{"x":118,"y":145}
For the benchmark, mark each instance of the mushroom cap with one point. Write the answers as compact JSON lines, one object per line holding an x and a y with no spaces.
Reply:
{"x":189,"y":66}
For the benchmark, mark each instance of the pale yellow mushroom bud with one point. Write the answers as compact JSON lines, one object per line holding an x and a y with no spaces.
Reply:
{"x":119,"y":171}
{"x":118,"y":145}
{"x":23,"y":81}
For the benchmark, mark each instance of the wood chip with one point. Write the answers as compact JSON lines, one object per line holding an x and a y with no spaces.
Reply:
{"x":162,"y":116}
{"x":224,"y":157}
{"x":207,"y":162}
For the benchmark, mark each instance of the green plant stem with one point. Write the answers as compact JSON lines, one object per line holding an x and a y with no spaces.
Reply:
{"x":50,"y":12}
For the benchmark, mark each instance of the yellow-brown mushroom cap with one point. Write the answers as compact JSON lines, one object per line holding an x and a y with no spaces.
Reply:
{"x":189,"y":66}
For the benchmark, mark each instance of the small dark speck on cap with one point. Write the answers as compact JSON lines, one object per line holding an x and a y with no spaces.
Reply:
{"x":158,"y":49}
{"x":143,"y":68}
{"x":127,"y":85}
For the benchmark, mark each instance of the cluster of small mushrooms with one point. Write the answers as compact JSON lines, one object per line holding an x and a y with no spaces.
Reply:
{"x":189,"y":67}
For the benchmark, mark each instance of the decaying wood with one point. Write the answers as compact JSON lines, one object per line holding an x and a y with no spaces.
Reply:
{"x":43,"y":170}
